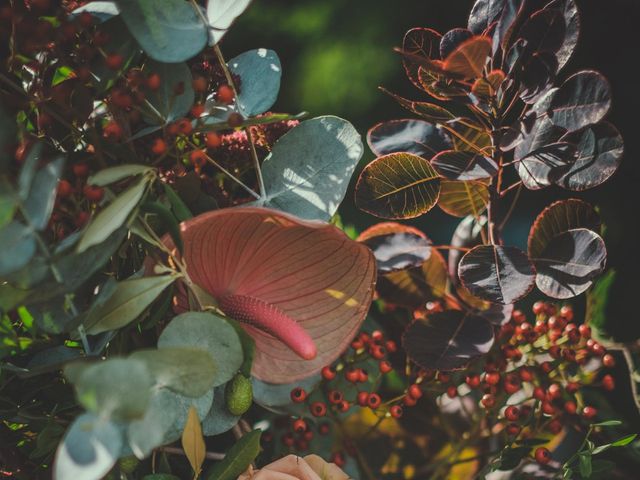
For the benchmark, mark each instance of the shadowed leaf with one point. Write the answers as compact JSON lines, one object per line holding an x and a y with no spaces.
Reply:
{"x":412,"y":136}
{"x":398,"y":185}
{"x":447,"y":340}
{"x":572,"y":29}
{"x":463,"y":165}
{"x":498,"y":274}
{"x":175,"y":96}
{"x":544,"y":31}
{"x":423,"y":42}
{"x":570,"y":263}
{"x":452,"y":39}
{"x":428,"y":111}
{"x":483,"y":14}
{"x":260,"y":71}
{"x":544,"y":166}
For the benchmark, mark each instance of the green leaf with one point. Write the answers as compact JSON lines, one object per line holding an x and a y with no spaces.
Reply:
{"x":175,"y":96}
{"x":168,"y":31}
{"x":259,"y":71}
{"x":115,"y":174}
{"x":309,"y":168}
{"x":597,"y":300}
{"x":209,"y":332}
{"x":608,"y":423}
{"x":584,"y":460}
{"x":113,"y":216}
{"x":624,"y":440}
{"x":167,"y":219}
{"x":160,"y":476}
{"x":18,"y":247}
{"x":238,"y":458}
{"x":129,"y":300}
{"x":89,"y":450}
{"x":180,"y":210}
{"x":61,"y":74}
{"x":164,"y":420}
{"x":188,"y":371}
{"x":248,"y":347}
{"x":28,"y":170}
{"x":398,"y":186}
{"x":39,"y":204}
{"x":117,"y":388}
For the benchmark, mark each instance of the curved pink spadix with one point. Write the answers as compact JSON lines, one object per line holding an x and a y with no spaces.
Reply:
{"x":300,"y":289}
{"x":270,"y":319}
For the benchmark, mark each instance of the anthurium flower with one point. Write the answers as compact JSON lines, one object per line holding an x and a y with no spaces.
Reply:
{"x":292,"y":467}
{"x":301,"y":289}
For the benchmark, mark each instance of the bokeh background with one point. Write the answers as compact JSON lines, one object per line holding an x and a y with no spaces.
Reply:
{"x":335,"y":54}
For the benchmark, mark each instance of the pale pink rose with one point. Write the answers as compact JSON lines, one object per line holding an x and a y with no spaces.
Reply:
{"x":292,"y":467}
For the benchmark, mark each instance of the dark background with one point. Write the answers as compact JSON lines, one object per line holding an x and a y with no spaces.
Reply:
{"x":335,"y":53}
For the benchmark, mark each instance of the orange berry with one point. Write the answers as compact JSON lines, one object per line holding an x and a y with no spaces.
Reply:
{"x":159,"y":146}
{"x":212,"y":139}
{"x":153,"y":81}
{"x":225,"y":94}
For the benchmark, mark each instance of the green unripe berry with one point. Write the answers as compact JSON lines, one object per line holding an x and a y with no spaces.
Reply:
{"x":128,"y":464}
{"x":238,"y":395}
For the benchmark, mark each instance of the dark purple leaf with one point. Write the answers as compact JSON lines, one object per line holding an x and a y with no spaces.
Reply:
{"x":511,"y":16}
{"x":572,"y":29}
{"x":428,"y":111}
{"x":600,"y":149}
{"x":447,"y":340}
{"x":544,"y":31}
{"x":497,"y":273}
{"x":466,"y":235}
{"x":423,"y":42}
{"x":413,"y":136}
{"x":483,"y":14}
{"x":396,"y":246}
{"x":456,"y":165}
{"x":583,"y":99}
{"x":545,"y":165}
{"x":538,"y":76}
{"x":570,"y":263}
{"x":452,"y":39}
{"x":558,"y":218}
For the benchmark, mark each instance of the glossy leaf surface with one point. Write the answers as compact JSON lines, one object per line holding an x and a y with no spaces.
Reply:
{"x":412,"y":136}
{"x":259,"y":71}
{"x":463,"y":165}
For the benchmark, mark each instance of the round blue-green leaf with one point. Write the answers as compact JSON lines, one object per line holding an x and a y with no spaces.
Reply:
{"x":89,"y":449}
{"x":174,"y":77}
{"x":218,"y":420}
{"x":102,"y":10}
{"x":208,"y":332}
{"x":169,"y":31}
{"x":259,"y":71}
{"x":18,"y":247}
{"x":272,"y":396}
{"x":221,"y":14}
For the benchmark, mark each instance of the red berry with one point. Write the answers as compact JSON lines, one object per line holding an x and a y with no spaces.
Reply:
{"x":198,"y":158}
{"x":288,"y":440}
{"x":492,"y":378}
{"x":598,"y":350}
{"x":374,"y":400}
{"x":85,"y":19}
{"x":121,"y":99}
{"x":344,"y":406}
{"x":538,"y":308}
{"x":159,"y":146}
{"x":81,"y":170}
{"x":608,"y":383}
{"x":585,"y":330}
{"x":452,"y":392}
{"x":298,"y":395}
{"x":385,"y":367}
{"x":112,"y":131}
{"x":589,"y":412}
{"x":539,"y":393}
{"x":608,"y":360}
{"x":546,"y":367}
{"x":512,"y":413}
{"x":554,"y":391}
{"x":542,"y":455}
{"x":363,"y":398}
{"x":377,"y":351}
{"x":548,"y":408}
{"x":391,"y":346}
{"x":338,"y":459}
{"x":396,"y":411}
{"x":377,"y":336}
{"x":513,"y":429}
{"x":567,"y":312}
{"x":351,"y":375}
{"x":488,"y":400}
{"x":225,"y":94}
{"x":64,"y":189}
{"x":572,"y":387}
{"x":443,"y":377}
{"x":526,"y":375}
{"x":409,"y":401}
{"x":511,"y":384}
{"x":335,"y":397}
{"x":114,"y":61}
{"x":212,"y":139}
{"x":570,"y":407}
{"x":328,"y":373}
{"x":299,"y":425}
{"x":324,"y":428}
{"x":518,"y":316}
{"x":153,"y":81}
{"x":414,"y":391}
{"x":555,"y":426}
{"x":199,"y":84}
{"x":197,"y":110}
{"x":473,"y":381}
{"x":318,"y":409}
{"x":81,"y":219}
{"x":184,"y":126}
{"x":93,"y":193}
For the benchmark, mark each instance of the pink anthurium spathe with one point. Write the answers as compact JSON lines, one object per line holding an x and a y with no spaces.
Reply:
{"x":301,"y":289}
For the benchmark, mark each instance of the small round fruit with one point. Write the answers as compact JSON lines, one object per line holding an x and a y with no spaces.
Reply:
{"x":299,"y":425}
{"x":318,"y":409}
{"x":396,"y":411}
{"x":298,"y":395}
{"x":238,"y":395}
{"x":374,"y":401}
{"x":212,"y":139}
{"x":225,"y":94}
{"x":159,"y":146}
{"x":93,"y":193}
{"x":512,"y":413}
{"x":542,"y":455}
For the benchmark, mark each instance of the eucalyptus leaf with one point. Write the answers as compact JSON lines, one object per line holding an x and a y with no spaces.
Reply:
{"x":18,"y":247}
{"x":89,"y":449}
{"x":218,"y":420}
{"x":116,"y":388}
{"x":309,"y":168}
{"x":129,"y":300}
{"x":112,"y":217}
{"x":115,"y":174}
{"x":259,"y":71}
{"x":188,"y":371}
{"x":102,"y":10}
{"x":39,"y":204}
{"x":168,"y":31}
{"x":208,"y":332}
{"x":28,"y":170}
{"x":221,"y":14}
{"x":175,"y":96}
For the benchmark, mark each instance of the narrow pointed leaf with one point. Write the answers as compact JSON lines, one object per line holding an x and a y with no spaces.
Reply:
{"x":558,"y":218}
{"x":193,"y":442}
{"x":238,"y":458}
{"x":498,"y":274}
{"x":115,"y":174}
{"x":570,"y":263}
{"x":583,"y":99}
{"x":398,"y":185}
{"x":447,"y":340}
{"x":412,"y":136}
